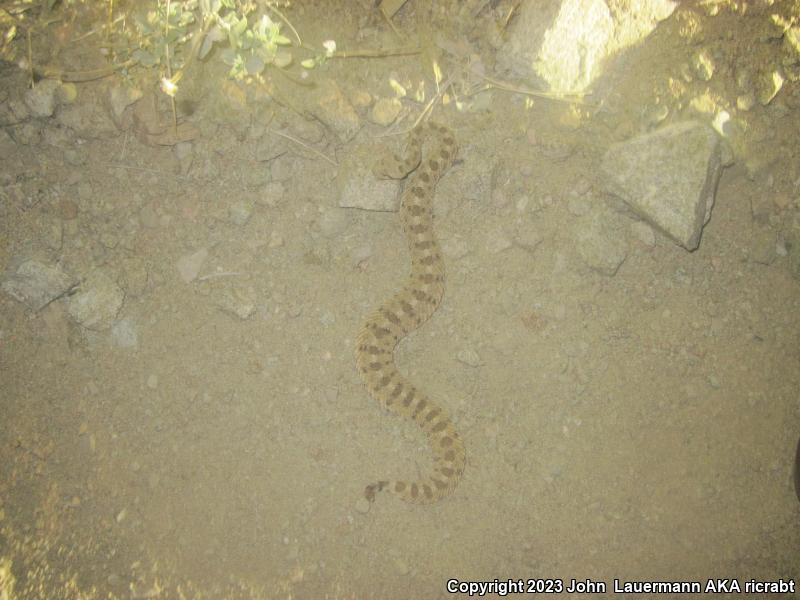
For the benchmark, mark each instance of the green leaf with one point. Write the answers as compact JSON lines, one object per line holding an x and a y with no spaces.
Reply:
{"x":208,"y":42}
{"x":254,"y":65}
{"x":282,"y":40}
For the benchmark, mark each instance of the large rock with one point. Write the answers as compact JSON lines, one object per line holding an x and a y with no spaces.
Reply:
{"x":565,"y":42}
{"x":669,"y":178}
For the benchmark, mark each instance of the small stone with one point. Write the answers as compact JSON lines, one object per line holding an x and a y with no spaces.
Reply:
{"x":528,"y":238}
{"x":768,"y":86}
{"x":152,"y":381}
{"x":134,"y":276}
{"x":763,"y":246}
{"x":239,"y":212}
{"x":53,"y":234}
{"x":746,"y":101}
{"x":183,"y":151}
{"x":123,"y":334}
{"x":273,"y":194}
{"x":363,"y":505}
{"x":67,"y":93}
{"x":782,"y":201}
{"x":599,"y":242}
{"x":237,"y":300}
{"x":791,"y":243}
{"x":109,"y":240}
{"x":189,"y":265}
{"x":275,"y":240}
{"x":41,"y":99}
{"x":703,"y":65}
{"x":400,"y":566}
{"x":334,"y":110}
{"x":68,"y":209}
{"x":361,"y":99}
{"x":578,"y":205}
{"x":469,"y":357}
{"x":121,"y":97}
{"x":498,"y":242}
{"x":780,"y":247}
{"x":97,"y":302}
{"x":385,"y":111}
{"x":359,"y":188}
{"x":149,"y":217}
{"x":657,"y":114}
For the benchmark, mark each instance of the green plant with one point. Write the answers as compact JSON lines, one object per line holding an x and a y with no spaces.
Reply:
{"x":252,"y":39}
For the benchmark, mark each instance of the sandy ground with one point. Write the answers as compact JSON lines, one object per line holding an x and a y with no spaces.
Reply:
{"x":639,"y":426}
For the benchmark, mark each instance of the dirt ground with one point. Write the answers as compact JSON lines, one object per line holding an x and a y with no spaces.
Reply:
{"x":215,"y":441}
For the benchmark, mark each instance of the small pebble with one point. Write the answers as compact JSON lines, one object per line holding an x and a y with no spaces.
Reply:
{"x":273,"y":193}
{"x":68,"y":209}
{"x":469,"y":357}
{"x":239,"y":212}
{"x":275,"y":240}
{"x":455,"y":247}
{"x":189,"y":265}
{"x":400,"y":566}
{"x":363,"y":505}
{"x":385,"y":111}
{"x":498,"y":242}
{"x":578,"y":205}
{"x":360,"y":99}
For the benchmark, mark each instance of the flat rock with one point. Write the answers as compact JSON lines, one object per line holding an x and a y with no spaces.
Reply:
{"x":36,"y":284}
{"x":97,"y":302}
{"x":669,"y":178}
{"x":189,"y":265}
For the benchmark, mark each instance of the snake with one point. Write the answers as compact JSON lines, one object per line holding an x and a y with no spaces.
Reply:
{"x":406,"y":310}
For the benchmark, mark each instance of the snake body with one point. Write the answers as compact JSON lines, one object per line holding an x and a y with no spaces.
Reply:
{"x":409,"y":308}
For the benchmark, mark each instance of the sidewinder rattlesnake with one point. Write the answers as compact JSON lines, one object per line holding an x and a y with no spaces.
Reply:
{"x":409,"y":308}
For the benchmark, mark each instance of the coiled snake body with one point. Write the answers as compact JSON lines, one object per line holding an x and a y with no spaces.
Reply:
{"x":409,"y":308}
